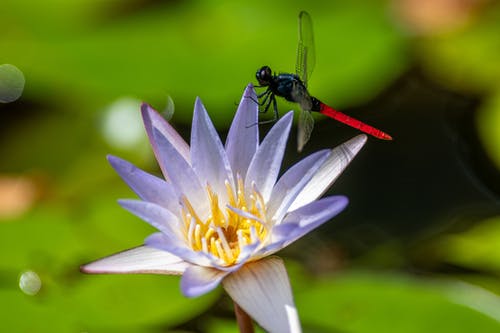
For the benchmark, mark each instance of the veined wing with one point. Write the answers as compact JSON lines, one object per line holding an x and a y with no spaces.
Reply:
{"x":306,"y":55}
{"x":305,"y":127}
{"x":306,"y":121}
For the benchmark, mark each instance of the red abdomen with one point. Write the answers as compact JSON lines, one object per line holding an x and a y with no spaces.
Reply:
{"x":343,"y":118}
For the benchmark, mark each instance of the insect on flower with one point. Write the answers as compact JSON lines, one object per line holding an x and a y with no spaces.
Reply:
{"x":221,"y":211}
{"x":293,"y":87}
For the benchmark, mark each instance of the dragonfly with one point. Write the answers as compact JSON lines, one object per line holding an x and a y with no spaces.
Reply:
{"x":293,"y":87}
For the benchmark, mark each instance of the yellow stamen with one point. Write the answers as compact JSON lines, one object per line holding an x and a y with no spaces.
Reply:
{"x":224,"y":233}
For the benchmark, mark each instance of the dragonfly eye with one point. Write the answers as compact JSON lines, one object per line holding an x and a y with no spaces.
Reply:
{"x":264,"y":76}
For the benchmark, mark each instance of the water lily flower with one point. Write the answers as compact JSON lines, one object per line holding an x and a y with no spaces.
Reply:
{"x":221,"y":211}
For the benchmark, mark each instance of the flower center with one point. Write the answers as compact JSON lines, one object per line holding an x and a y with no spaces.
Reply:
{"x":226,"y":231}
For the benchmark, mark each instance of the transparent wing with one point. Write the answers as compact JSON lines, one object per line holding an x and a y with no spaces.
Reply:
{"x":306,"y":57}
{"x":306,"y":125}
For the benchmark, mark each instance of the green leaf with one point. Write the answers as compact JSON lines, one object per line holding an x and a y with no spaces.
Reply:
{"x":114,"y":301}
{"x":477,"y":248}
{"x":368,"y":302}
{"x":22,"y":313}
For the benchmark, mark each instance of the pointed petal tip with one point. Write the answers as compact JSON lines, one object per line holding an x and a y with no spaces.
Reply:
{"x":146,"y":114}
{"x":84,"y":269}
{"x":123,"y":202}
{"x":198,"y":104}
{"x":115,"y":160}
{"x":344,"y":200}
{"x":118,"y":163}
{"x":91,"y":268}
{"x":339,"y":201}
{"x":361,"y":137}
{"x":111,"y":158}
{"x":289,"y":114}
{"x":146,"y":108}
{"x":249,"y":91}
{"x":287,"y":118}
{"x":355,"y":144}
{"x":199,"y":110}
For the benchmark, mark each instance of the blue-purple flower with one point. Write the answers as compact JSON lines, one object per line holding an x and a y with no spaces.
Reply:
{"x":221,"y":211}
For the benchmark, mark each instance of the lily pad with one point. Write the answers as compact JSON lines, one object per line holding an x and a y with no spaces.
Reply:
{"x":369,"y":302}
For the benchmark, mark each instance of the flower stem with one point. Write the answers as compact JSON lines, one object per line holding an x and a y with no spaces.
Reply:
{"x":244,"y":321}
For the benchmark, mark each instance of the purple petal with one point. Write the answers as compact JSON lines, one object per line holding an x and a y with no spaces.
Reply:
{"x":263,"y":290}
{"x":142,"y":259}
{"x":338,"y":160}
{"x":271,"y":248}
{"x":146,"y":186}
{"x":265,"y":165}
{"x":163,"y":242}
{"x":208,"y":157}
{"x":243,"y":137}
{"x":157,"y":216}
{"x":247,"y":252}
{"x":301,"y":221}
{"x":292,"y":182}
{"x":199,"y":280}
{"x":184,"y":179}
{"x":154,"y":121}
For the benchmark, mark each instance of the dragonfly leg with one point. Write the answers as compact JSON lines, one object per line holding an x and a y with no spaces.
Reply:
{"x":275,"y":107}
{"x":265,"y":94}
{"x":256,"y":101}
{"x":266,"y":101}
{"x":272,"y":100}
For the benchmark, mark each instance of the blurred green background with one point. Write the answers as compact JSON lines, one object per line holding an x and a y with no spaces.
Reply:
{"x":417,"y":250}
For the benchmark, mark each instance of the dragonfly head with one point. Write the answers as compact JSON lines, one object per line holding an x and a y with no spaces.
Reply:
{"x":264,"y":75}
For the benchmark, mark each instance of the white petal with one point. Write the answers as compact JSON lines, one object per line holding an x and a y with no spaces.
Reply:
{"x":142,"y":259}
{"x":208,"y":157}
{"x":340,"y":157}
{"x":243,"y":137}
{"x":262,"y":289}
{"x":266,"y":163}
